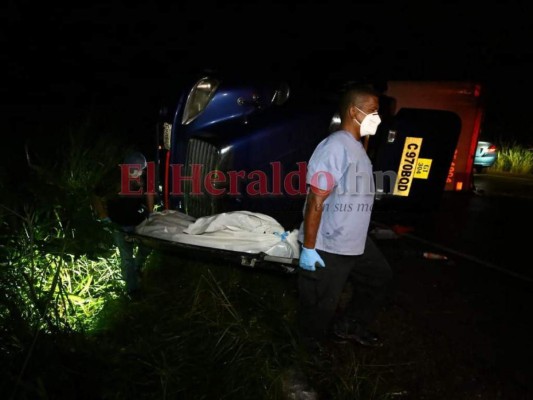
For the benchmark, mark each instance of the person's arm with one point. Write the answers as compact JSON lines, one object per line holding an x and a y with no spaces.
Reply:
{"x":313,"y":214}
{"x":150,"y":200}
{"x":309,"y":257}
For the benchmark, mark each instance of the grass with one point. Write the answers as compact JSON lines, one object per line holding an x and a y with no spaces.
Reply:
{"x":202,"y":331}
{"x":514,"y":158}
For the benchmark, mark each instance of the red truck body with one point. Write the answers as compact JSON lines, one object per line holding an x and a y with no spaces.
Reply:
{"x":461,"y":97}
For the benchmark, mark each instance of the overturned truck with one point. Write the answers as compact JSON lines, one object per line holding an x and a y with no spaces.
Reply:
{"x":227,"y":144}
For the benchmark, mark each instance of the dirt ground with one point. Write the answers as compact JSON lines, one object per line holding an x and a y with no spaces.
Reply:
{"x":454,"y":329}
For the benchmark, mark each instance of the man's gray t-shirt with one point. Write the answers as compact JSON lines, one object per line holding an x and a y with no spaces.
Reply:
{"x":340,"y":164}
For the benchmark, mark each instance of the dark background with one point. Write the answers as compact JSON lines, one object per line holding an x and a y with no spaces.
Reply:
{"x":117,"y":63}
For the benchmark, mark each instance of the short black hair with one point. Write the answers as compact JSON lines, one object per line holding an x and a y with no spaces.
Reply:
{"x":352,"y":96}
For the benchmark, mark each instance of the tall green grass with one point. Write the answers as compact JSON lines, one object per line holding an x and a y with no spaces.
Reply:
{"x":49,"y":288}
{"x":514,"y":158}
{"x":58,"y":266}
{"x":218,"y":331}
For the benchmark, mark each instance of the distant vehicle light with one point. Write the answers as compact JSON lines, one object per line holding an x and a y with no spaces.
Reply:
{"x":485,"y":156}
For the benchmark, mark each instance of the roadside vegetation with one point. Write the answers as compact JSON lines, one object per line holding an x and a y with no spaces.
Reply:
{"x":514,"y":158}
{"x":203,"y":330}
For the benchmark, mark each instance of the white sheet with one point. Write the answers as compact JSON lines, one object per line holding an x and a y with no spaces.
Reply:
{"x":242,"y":231}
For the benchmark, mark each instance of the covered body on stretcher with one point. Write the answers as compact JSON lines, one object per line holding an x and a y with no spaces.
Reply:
{"x":240,"y":232}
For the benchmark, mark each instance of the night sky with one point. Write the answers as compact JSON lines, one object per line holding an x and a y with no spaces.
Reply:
{"x":58,"y":60}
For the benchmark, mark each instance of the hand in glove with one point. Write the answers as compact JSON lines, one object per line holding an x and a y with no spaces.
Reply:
{"x":308,"y":259}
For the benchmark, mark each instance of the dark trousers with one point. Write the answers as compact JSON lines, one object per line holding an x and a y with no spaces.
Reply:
{"x":320,"y":290}
{"x":131,"y":262}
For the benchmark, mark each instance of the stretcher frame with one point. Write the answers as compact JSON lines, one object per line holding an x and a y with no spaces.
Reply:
{"x":256,"y":261}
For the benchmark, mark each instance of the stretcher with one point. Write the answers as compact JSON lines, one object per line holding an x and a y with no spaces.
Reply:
{"x":251,"y":240}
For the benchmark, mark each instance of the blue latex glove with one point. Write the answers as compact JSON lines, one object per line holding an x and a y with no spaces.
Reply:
{"x":282,"y":236}
{"x":308,"y":259}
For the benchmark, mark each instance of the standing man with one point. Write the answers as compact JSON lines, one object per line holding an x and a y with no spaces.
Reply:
{"x":123,"y":212}
{"x":335,"y":245}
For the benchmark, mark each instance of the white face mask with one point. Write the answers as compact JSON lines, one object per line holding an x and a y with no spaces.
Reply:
{"x":370,"y":123}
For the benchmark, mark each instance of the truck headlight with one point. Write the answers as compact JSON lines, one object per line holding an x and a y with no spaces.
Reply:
{"x":198,"y":99}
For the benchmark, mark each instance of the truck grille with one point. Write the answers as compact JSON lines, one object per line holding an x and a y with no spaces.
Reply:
{"x":208,"y":156}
